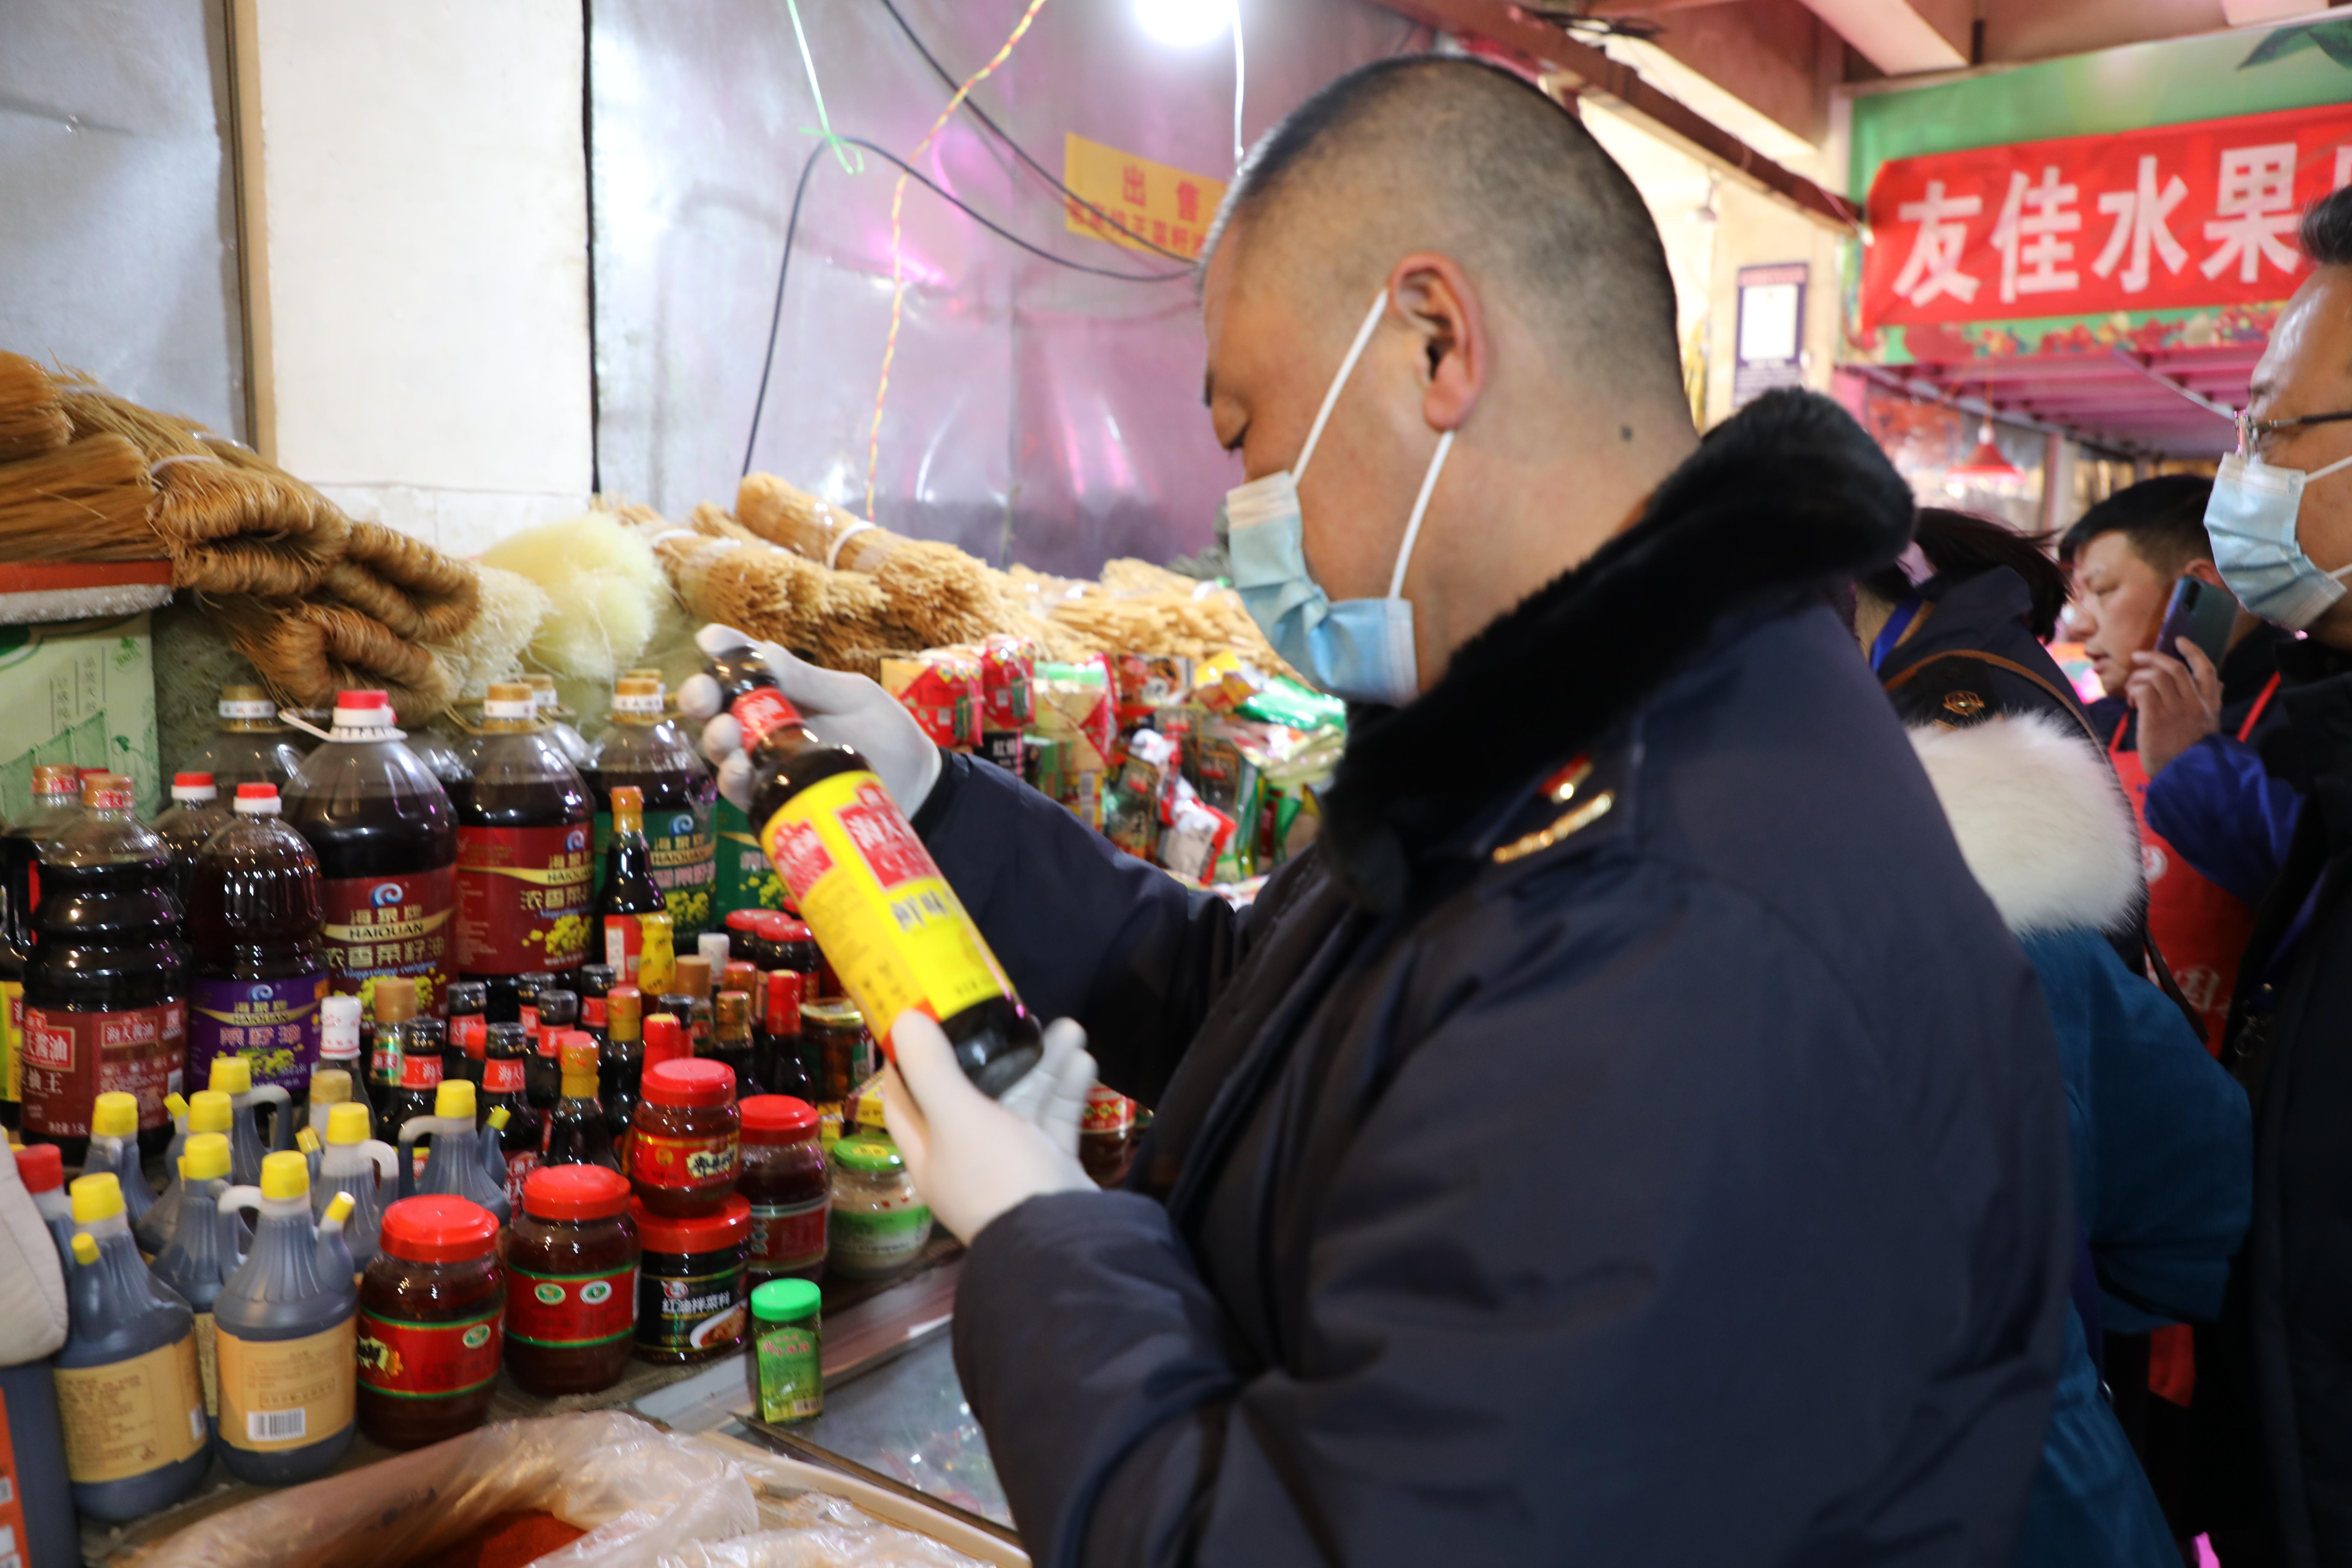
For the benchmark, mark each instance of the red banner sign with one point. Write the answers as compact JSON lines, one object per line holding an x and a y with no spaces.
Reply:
{"x":2203,"y":214}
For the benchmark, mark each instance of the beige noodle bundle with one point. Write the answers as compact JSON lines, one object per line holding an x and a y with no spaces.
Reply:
{"x":935,"y":592}
{"x":407,"y":584}
{"x":32,"y":418}
{"x":306,"y":652}
{"x":86,"y":501}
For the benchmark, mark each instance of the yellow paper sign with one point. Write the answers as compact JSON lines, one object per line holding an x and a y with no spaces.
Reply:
{"x":1140,"y":200}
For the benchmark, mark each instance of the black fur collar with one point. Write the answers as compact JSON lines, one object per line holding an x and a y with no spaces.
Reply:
{"x":1786,"y":498}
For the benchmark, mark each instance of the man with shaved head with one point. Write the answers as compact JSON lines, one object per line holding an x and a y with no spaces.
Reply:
{"x":1628,"y":1136}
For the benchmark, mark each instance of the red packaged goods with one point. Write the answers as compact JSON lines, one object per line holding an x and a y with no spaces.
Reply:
{"x":942,"y":689}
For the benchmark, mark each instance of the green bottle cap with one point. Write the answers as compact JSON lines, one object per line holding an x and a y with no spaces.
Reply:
{"x":782,"y":1300}
{"x":869,"y":1155}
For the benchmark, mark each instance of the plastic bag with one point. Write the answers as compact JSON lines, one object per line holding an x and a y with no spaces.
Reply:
{"x":802,"y":1528}
{"x":637,"y":1490}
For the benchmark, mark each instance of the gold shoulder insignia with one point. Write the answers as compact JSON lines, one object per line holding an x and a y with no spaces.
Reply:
{"x":1583,"y":817}
{"x":1967,"y":704}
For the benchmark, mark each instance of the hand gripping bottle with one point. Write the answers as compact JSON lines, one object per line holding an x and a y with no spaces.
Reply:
{"x":128,"y":1393}
{"x":366,"y":1168}
{"x":455,"y":1165}
{"x":190,"y":1262}
{"x":862,"y":880}
{"x":232,"y":1076}
{"x":288,"y":1333}
{"x":114,"y":1146}
{"x":208,"y":1110}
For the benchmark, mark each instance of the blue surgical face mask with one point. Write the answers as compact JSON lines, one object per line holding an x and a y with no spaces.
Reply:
{"x":2251,"y":520}
{"x":1360,"y":649}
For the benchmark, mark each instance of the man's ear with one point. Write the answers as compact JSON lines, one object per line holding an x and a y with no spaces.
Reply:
{"x":2205,"y":572}
{"x":1437,"y":302}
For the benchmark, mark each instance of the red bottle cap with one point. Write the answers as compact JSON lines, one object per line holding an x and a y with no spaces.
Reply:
{"x":728,"y":1225}
{"x":778,"y":1118}
{"x":575,"y":1192}
{"x":244,"y":790}
{"x":42,"y":1167}
{"x":439,"y":1228}
{"x":199,"y":781}
{"x":744,"y":919}
{"x":664,"y":1039}
{"x":692,"y":1081}
{"x":784,"y":1002}
{"x":367,"y":699}
{"x":778,"y":926}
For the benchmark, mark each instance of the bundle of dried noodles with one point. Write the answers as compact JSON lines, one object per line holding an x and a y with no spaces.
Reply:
{"x":86,"y":501}
{"x":936,"y":594}
{"x":32,"y":420}
{"x":405,"y":583}
{"x":306,"y":652}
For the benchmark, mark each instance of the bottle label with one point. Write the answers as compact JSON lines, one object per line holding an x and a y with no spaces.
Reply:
{"x":208,"y":1362}
{"x":761,"y":712}
{"x":71,"y":1058}
{"x":129,"y":1418}
{"x":566,"y":1310}
{"x":272,"y":1024}
{"x":1106,"y":1110}
{"x":746,"y":880}
{"x":664,"y":1161}
{"x":385,"y":1056}
{"x":876,"y":1239}
{"x":591,"y":1012}
{"x":689,"y":1311}
{"x":422,"y":1070}
{"x":791,"y":1370}
{"x":389,"y":925}
{"x":470,"y":1033}
{"x":427,"y":1361}
{"x":685,"y":862}
{"x":522,"y":899}
{"x":787,"y":1236}
{"x":12,"y":1028}
{"x":518,"y":1169}
{"x":641,"y":951}
{"x":277,"y":1395}
{"x":894,"y":929}
{"x":502,"y":1076}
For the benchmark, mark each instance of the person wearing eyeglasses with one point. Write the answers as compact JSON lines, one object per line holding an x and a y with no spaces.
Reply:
{"x":2280,"y":520}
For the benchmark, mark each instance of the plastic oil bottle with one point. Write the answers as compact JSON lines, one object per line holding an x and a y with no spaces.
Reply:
{"x":57,"y":798}
{"x":250,"y":746}
{"x":190,"y":1262}
{"x":260,"y":972}
{"x":456,"y":1163}
{"x":195,"y":815}
{"x":367,"y":1168}
{"x":523,"y":862}
{"x":106,"y":984}
{"x":128,"y":1393}
{"x":643,"y":750}
{"x":287,"y":1322}
{"x":386,"y":839}
{"x":232,"y":1076}
{"x":208,"y":1110}
{"x":114,"y":1146}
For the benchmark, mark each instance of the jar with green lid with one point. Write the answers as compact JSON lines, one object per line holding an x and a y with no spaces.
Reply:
{"x":879,"y":1222}
{"x":786,"y":1364}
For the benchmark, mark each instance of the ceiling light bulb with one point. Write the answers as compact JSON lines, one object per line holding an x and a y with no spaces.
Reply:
{"x":1184,"y":23}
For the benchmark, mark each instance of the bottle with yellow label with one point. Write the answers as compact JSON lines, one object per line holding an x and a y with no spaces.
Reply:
{"x":128,"y":1395}
{"x":190,"y":1262}
{"x":286,"y":1340}
{"x":883,"y":915}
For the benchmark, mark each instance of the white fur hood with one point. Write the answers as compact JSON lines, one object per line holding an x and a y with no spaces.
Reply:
{"x":2040,"y":818}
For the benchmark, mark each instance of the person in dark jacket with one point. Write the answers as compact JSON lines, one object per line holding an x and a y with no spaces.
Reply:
{"x":2281,"y":544}
{"x":1628,"y":1135}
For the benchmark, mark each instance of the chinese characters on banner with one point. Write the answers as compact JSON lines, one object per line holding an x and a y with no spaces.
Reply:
{"x":1140,"y":200}
{"x":2179,"y":215}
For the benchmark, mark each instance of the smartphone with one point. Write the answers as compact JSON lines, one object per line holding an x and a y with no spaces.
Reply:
{"x":2199,"y":612}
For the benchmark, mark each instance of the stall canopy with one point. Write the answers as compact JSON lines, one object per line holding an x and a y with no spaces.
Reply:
{"x":2098,"y":244}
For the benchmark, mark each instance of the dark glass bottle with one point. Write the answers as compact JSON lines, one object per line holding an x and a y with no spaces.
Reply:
{"x":261,"y":970}
{"x":642,"y":750}
{"x":507,"y":1054}
{"x":559,"y":1014}
{"x":628,"y":888}
{"x":468,"y":1036}
{"x":523,"y":863}
{"x":776,"y":1044}
{"x":106,"y":984}
{"x":621,"y":1063}
{"x":387,"y":845}
{"x":692,"y":982}
{"x":730,"y":1039}
{"x":593,"y":981}
{"x":823,"y":818}
{"x":405,"y":1070}
{"x":576,"y":1134}
{"x":525,"y":1007}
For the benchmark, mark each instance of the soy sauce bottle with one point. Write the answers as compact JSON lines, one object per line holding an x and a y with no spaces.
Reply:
{"x":593,"y":981}
{"x":730,"y":1039}
{"x":469,"y":1020}
{"x":620,"y":1065}
{"x":627,"y":889}
{"x":524,"y":861}
{"x":559,"y":1014}
{"x":386,"y":839}
{"x":643,"y":750}
{"x":863,"y":882}
{"x":576,"y":1134}
{"x":507,"y":1054}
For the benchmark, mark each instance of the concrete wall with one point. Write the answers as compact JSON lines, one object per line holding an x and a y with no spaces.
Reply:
{"x":416,"y":231}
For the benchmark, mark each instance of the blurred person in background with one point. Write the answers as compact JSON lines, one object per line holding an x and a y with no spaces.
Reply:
{"x":2159,"y":1133}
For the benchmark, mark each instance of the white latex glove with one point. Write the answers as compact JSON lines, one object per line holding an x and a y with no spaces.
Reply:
{"x":844,"y":710}
{"x":973,"y":1158}
{"x":32,"y":1280}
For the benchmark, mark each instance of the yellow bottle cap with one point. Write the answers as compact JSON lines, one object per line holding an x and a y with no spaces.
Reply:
{"x":339,"y":1207}
{"x":116,"y":1115}
{"x":285,"y":1175}
{"x":175,"y":1106}
{"x":204,"y":1158}
{"x":308,"y":1140}
{"x":498,"y":1118}
{"x":208,"y":1110}
{"x":454,"y":1098}
{"x":85,"y":1248}
{"x":95,"y":1197}
{"x":232,"y":1075}
{"x":348,"y":1122}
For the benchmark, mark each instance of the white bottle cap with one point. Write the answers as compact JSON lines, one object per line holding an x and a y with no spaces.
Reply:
{"x":712,"y":946}
{"x":257,"y":800}
{"x":339,"y":1027}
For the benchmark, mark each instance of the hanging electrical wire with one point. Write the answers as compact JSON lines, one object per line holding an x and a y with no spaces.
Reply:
{"x":897,"y":258}
{"x":808,"y":63}
{"x":792,"y":229}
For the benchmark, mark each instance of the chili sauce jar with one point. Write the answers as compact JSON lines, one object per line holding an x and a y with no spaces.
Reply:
{"x":572,"y":1281}
{"x":787,"y":1362}
{"x":878,"y":1223}
{"x":431,"y":1320}
{"x":833,"y":1035}
{"x":685,"y":1144}
{"x":690,"y":1281}
{"x":785,"y":1183}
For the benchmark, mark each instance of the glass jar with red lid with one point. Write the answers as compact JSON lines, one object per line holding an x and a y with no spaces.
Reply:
{"x":431,"y":1322}
{"x":685,"y":1144}
{"x":691,"y":1291}
{"x":785,"y":1183}
{"x":571,"y":1270}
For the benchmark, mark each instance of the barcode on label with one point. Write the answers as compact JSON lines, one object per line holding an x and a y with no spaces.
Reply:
{"x":273,"y":1425}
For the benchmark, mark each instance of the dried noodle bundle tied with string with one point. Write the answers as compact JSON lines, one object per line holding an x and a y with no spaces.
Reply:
{"x":306,"y":652}
{"x":405,"y":583}
{"x":86,"y":501}
{"x":935,"y":593}
{"x":32,"y":417}
{"x":770,"y":592}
